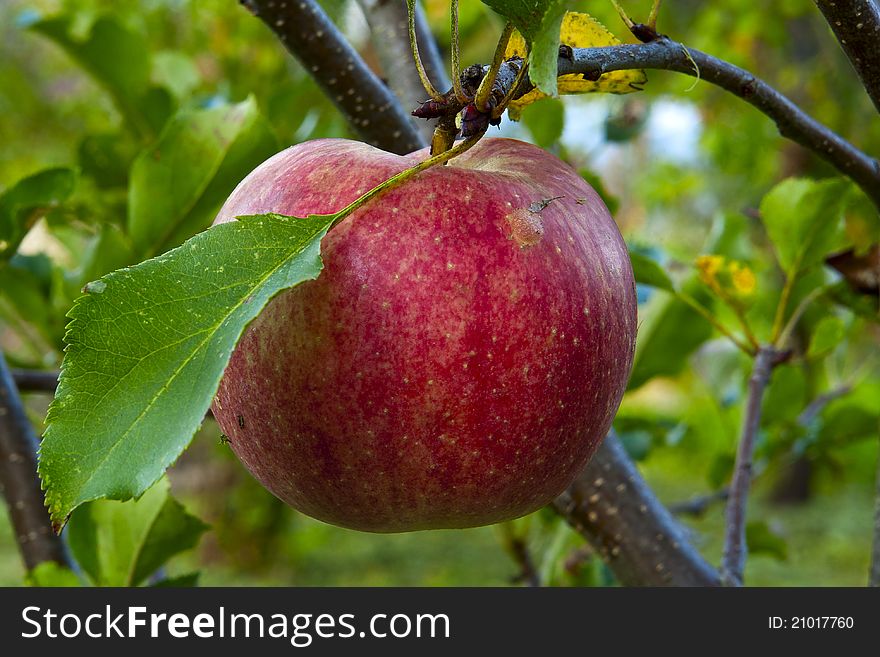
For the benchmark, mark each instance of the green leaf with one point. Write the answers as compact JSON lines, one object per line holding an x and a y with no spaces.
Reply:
{"x":866,"y":306}
{"x":786,"y":396}
{"x":178,"y":184}
{"x":761,"y":539}
{"x":803,"y":219}
{"x":649,"y":272}
{"x":187,"y":581}
{"x":545,"y":121}
{"x":118,"y":59}
{"x":25,"y":304}
{"x":663,"y":347}
{"x":529,"y":16}
{"x":51,"y":574}
{"x":106,"y":158}
{"x":25,"y":202}
{"x":828,"y":333}
{"x":539,"y":22}
{"x":110,"y":250}
{"x":147,"y":346}
{"x":123,"y":543}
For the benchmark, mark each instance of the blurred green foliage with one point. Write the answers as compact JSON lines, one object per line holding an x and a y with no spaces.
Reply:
{"x":88,"y":87}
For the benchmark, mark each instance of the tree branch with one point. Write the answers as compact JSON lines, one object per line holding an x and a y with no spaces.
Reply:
{"x":388,"y":23}
{"x":18,"y":479}
{"x":611,"y":506}
{"x":734,"y":557}
{"x":518,"y":548}
{"x":35,"y":380}
{"x":697,"y":506}
{"x":856,"y":24}
{"x":791,"y":121}
{"x":368,"y":105}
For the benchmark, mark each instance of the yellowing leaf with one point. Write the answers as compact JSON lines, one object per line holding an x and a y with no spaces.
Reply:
{"x":733,"y":281}
{"x":578,"y":31}
{"x":743,"y":279}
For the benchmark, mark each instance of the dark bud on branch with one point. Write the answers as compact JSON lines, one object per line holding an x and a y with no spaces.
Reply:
{"x":645,"y":33}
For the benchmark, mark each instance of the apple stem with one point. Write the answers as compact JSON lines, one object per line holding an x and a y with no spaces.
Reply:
{"x":414,"y":44}
{"x":484,"y":91}
{"x":456,"y":57}
{"x":400,"y":178}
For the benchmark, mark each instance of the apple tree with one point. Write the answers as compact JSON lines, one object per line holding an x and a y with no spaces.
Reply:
{"x":752,"y":230}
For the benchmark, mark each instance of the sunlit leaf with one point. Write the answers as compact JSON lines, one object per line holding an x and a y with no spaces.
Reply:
{"x":51,"y":574}
{"x":803,"y":220}
{"x":123,"y":543}
{"x":178,"y":184}
{"x":27,"y":200}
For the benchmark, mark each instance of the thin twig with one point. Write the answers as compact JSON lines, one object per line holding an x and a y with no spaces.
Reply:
{"x":416,"y":56}
{"x":856,"y":24}
{"x":481,"y":100}
{"x":456,"y":54}
{"x":35,"y":380}
{"x":369,"y":106}
{"x":18,"y":480}
{"x":792,"y":122}
{"x":611,"y":506}
{"x":709,"y":317}
{"x":517,"y":547}
{"x":816,"y":406}
{"x":697,"y":506}
{"x":734,"y":558}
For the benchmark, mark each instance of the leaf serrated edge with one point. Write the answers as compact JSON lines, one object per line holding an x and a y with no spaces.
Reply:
{"x":54,"y":501}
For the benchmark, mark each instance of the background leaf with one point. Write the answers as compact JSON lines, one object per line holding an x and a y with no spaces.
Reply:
{"x":178,"y":184}
{"x":51,"y":574}
{"x":545,"y":122}
{"x":826,"y":336}
{"x":123,"y":543}
{"x":761,"y":539}
{"x":663,"y":347}
{"x":649,"y":272}
{"x":803,"y":220}
{"x":26,"y":201}
{"x":147,"y":346}
{"x":117,"y":58}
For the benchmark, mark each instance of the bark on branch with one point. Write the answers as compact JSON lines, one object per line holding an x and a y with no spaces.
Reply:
{"x":611,"y":506}
{"x":388,"y":26}
{"x":856,"y":24}
{"x":734,"y":557}
{"x":368,"y":105}
{"x":791,"y":120}
{"x":18,"y":479}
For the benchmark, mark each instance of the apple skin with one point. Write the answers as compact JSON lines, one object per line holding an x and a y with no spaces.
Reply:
{"x":458,"y":360}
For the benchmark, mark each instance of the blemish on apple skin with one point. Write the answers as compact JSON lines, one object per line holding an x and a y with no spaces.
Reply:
{"x":526,"y":228}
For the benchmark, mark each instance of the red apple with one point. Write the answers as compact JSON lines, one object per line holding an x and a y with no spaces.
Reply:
{"x":460,"y":357}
